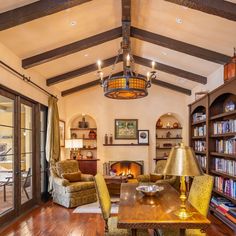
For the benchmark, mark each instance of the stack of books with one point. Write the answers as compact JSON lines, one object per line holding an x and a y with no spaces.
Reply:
{"x":199,"y":131}
{"x":198,"y":116}
{"x":200,"y":146}
{"x":224,"y":207}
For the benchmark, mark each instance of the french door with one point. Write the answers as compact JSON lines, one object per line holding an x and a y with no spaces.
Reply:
{"x":18,"y":137}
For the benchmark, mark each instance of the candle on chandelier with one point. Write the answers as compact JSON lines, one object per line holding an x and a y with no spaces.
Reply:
{"x":99,"y":63}
{"x":101,"y":76}
{"x":148,"y":76}
{"x":153,"y":65}
{"x":128,"y":60}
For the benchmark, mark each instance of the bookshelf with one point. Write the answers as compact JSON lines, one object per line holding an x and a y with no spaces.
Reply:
{"x":213,"y":137}
{"x":198,"y":131}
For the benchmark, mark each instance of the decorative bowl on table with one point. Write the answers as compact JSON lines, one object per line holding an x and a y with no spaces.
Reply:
{"x":149,"y":190}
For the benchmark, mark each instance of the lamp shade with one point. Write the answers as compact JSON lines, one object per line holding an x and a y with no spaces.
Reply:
{"x":74,"y":143}
{"x":182,"y":162}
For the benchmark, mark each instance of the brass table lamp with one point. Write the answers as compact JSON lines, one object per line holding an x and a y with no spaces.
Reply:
{"x":182,"y":162}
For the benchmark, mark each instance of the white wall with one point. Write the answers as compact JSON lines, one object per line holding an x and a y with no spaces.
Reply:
{"x":214,"y":80}
{"x":11,"y":81}
{"x":147,"y":110}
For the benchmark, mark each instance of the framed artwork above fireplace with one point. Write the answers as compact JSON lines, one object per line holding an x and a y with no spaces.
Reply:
{"x":126,"y":128}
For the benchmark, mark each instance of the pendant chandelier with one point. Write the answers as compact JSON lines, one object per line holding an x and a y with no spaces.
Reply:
{"x":130,"y":85}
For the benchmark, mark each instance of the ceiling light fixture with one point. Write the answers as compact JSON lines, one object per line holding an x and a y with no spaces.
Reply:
{"x":130,"y":85}
{"x":178,"y":21}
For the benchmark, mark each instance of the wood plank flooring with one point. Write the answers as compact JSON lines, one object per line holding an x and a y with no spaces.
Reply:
{"x":53,"y":220}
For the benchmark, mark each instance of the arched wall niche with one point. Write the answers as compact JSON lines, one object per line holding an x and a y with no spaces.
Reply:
{"x":168,"y":134}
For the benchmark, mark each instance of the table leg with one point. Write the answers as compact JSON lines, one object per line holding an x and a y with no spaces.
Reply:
{"x":134,"y":232}
{"x":182,"y":232}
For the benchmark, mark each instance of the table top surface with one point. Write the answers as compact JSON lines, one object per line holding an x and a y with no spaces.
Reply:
{"x":139,"y":211}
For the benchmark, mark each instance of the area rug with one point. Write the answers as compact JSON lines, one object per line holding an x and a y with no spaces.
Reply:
{"x":95,"y":207}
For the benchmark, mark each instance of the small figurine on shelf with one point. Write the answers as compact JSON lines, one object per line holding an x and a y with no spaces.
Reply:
{"x":168,"y":134}
{"x":111,"y":139}
{"x":83,"y":123}
{"x":159,"y":124}
{"x":92,"y":134}
{"x":168,"y":125}
{"x":176,"y":125}
{"x":106,"y":139}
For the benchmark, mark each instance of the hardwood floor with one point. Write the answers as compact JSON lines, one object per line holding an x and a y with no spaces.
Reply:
{"x":53,"y":220}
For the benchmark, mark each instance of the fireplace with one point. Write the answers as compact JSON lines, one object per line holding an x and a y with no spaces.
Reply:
{"x":131,"y":169}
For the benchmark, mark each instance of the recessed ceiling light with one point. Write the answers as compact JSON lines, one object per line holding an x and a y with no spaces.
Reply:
{"x":169,"y":114}
{"x":73,"y":23}
{"x":178,"y":21}
{"x":164,"y":53}
{"x":86,"y":55}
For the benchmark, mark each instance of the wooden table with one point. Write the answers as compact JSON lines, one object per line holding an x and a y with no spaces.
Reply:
{"x":137,"y":211}
{"x":114,"y":183}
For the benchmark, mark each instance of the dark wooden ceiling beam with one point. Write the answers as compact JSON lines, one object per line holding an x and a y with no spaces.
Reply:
{"x":219,"y":8}
{"x":171,"y":70}
{"x":71,"y":48}
{"x":86,"y":85}
{"x":171,"y":86}
{"x":80,"y":71}
{"x":176,"y":45}
{"x":34,"y":11}
{"x":126,"y":10}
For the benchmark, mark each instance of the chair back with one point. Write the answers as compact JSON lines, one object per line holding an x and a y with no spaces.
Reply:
{"x":26,"y":180}
{"x":160,"y":166}
{"x":66,"y":166}
{"x":103,"y":196}
{"x":200,"y":193}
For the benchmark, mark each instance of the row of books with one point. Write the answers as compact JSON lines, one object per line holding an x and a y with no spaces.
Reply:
{"x":226,"y":146}
{"x":226,"y":166}
{"x":202,"y":160}
{"x":199,"y":131}
{"x":225,"y":185}
{"x":200,"y":146}
{"x":226,"y":126}
{"x":224,"y":207}
{"x":198,"y":116}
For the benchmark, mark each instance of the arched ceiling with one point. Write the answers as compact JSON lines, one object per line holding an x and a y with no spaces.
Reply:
{"x":188,"y":40}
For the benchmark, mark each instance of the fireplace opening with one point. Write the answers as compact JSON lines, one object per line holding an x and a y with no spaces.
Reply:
{"x":131,"y":169}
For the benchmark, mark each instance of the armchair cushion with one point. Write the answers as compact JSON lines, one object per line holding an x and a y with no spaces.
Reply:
{"x":67,"y":166}
{"x":78,"y":186}
{"x":155,"y":177}
{"x":72,"y":177}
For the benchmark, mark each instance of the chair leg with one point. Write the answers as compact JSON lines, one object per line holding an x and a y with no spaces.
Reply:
{"x":106,"y":226}
{"x":27,"y":195}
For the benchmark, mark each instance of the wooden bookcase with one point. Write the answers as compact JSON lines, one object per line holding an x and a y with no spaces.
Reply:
{"x":219,"y":140}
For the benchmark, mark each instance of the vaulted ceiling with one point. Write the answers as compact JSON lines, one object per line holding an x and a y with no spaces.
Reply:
{"x":62,"y":40}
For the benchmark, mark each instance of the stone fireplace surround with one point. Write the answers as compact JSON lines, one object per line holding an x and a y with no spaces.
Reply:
{"x":124,"y":167}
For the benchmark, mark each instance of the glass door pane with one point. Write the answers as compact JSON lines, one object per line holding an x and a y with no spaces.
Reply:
{"x":26,"y":157}
{"x":6,"y":155}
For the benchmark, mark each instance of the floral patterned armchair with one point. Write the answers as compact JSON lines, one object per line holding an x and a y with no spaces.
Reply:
{"x":72,"y":194}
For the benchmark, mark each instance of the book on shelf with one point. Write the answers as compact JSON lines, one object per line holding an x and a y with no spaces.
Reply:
{"x":199,"y":146}
{"x":232,"y":212}
{"x":226,"y":146}
{"x":223,"y":127}
{"x":199,"y":131}
{"x":230,"y":217}
{"x":202,"y":160}
{"x":199,"y":116}
{"x":225,"y":185}
{"x":225,"y":166}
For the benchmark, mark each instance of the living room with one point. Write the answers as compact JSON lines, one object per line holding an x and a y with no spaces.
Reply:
{"x":63,"y":97}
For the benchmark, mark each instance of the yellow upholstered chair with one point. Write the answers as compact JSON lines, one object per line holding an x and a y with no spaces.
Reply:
{"x":157,"y":177}
{"x":199,"y":197}
{"x":105,"y":204}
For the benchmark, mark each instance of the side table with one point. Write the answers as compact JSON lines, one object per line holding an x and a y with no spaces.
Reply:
{"x":114,"y":183}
